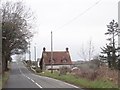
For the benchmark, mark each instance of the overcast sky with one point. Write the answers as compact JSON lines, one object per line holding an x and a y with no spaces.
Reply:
{"x":73,"y":22}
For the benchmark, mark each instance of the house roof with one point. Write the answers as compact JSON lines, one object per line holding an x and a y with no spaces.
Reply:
{"x":59,"y":57}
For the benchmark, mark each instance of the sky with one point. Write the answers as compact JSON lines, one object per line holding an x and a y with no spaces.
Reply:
{"x":73,"y":23}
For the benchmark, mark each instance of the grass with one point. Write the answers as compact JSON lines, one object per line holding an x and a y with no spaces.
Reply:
{"x":5,"y":77}
{"x":80,"y":82}
{"x":0,"y":82}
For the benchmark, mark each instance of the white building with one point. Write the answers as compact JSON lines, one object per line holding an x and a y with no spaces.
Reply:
{"x":60,"y":59}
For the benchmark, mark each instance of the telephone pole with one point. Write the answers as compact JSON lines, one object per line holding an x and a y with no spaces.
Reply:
{"x":51,"y":52}
{"x":35,"y":54}
{"x":29,"y":52}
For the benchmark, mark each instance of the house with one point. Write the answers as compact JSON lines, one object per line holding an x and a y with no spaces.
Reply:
{"x":60,"y":59}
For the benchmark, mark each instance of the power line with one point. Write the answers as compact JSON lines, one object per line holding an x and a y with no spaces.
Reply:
{"x":76,"y":17}
{"x":79,"y":15}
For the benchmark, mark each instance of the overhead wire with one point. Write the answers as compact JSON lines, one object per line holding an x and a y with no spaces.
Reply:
{"x":76,"y":17}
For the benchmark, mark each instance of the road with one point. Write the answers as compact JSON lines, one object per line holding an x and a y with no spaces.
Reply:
{"x":21,"y":77}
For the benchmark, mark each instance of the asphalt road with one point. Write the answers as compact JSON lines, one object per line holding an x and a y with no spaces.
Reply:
{"x":21,"y":77}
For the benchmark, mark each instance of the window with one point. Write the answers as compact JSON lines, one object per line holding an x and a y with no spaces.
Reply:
{"x":64,"y":60}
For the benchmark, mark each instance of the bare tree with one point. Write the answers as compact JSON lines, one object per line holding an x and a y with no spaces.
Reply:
{"x":83,"y":53}
{"x":87,"y":52}
{"x":90,"y":50}
{"x":16,"y":27}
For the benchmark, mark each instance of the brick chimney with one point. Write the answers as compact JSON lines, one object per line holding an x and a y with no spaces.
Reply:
{"x":44,"y":49}
{"x":66,"y":49}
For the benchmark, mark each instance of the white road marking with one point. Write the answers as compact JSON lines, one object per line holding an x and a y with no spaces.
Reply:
{"x":44,"y":77}
{"x":32,"y":80}
{"x":28,"y":77}
{"x":38,"y":85}
{"x":59,"y":80}
{"x":71,"y":85}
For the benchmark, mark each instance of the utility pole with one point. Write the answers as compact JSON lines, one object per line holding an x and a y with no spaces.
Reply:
{"x":29,"y":52}
{"x":51,"y":52}
{"x":35,"y":54}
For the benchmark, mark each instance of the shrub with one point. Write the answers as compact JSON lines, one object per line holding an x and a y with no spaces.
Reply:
{"x":87,"y":73}
{"x":108,"y":74}
{"x":102,"y":72}
{"x":64,"y":70}
{"x":28,"y":63}
{"x":38,"y":70}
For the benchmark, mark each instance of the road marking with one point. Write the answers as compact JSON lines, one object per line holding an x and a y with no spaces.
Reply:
{"x":28,"y":77}
{"x":38,"y":85}
{"x":59,"y":80}
{"x":32,"y":80}
{"x":71,"y":85}
{"x":44,"y":77}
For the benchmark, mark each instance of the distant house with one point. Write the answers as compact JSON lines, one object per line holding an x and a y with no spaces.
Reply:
{"x":60,"y":58}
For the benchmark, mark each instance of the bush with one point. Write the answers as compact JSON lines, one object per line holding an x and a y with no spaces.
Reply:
{"x":87,"y":73}
{"x":38,"y":70}
{"x":64,"y":70}
{"x":108,"y":74}
{"x":28,"y":63}
{"x":102,"y":72}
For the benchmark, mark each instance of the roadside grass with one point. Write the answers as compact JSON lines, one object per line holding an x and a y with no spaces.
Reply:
{"x":5,"y":77}
{"x":80,"y":82}
{"x":0,"y":81}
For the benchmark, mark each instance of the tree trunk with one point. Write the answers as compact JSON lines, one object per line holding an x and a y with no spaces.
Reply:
{"x":5,"y":59}
{"x":6,"y":65}
{"x":41,"y":64}
{"x":109,"y":63}
{"x":3,"y":63}
{"x":109,"y":60}
{"x":114,"y":59}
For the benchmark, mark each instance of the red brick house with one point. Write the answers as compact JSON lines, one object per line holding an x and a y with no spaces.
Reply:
{"x":60,"y":58}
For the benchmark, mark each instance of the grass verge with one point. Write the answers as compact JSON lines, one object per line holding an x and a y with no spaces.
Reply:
{"x":5,"y":77}
{"x":0,"y":81}
{"x":80,"y":82}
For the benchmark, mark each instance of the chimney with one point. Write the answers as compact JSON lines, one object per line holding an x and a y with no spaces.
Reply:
{"x":44,"y":49}
{"x":66,"y":49}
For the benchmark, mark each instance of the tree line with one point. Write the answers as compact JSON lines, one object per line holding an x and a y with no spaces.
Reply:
{"x":16,"y":25}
